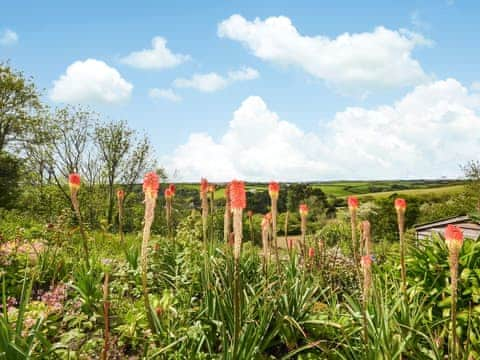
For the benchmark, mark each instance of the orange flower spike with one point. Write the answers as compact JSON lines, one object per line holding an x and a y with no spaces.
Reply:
{"x":311,"y":252}
{"x":203,"y":186}
{"x":151,"y":185}
{"x":211,"y":188}
{"x":74,"y":181}
{"x":173,"y":189}
{"x":366,"y":261}
{"x":120,"y":194}
{"x":352,"y":203}
{"x":453,"y":237}
{"x":237,"y":194}
{"x":303,"y":209}
{"x":273,"y":189}
{"x":400,"y":205}
{"x":168,"y":193}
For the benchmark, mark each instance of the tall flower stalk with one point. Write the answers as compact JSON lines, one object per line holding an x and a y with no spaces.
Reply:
{"x":211,"y":197}
{"x":150,"y":189}
{"x":120,"y":200}
{"x":454,"y":240}
{"x":352,"y":208}
{"x":74,"y":185}
{"x":303,"y":209}
{"x":227,"y":216}
{"x":169,"y":194}
{"x":204,"y":200}
{"x":400,"y":207}
{"x":106,"y":319}
{"x":265,"y":236}
{"x":273,"y":190}
{"x":366,"y":264}
{"x":238,"y":203}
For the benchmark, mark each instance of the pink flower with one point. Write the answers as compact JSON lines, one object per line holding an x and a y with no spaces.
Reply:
{"x":74,"y":181}
{"x":273,"y":189}
{"x":400,"y":205}
{"x":151,"y":185}
{"x":237,"y":194}
{"x":453,"y":237}
{"x":303,"y":209}
{"x":352,"y":203}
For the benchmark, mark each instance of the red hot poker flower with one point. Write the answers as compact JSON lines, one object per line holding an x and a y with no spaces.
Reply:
{"x":453,"y":237}
{"x":400,"y":204}
{"x":203,"y":186}
{"x":249,"y":213}
{"x":311,"y":252}
{"x":120,"y":194}
{"x":366,"y":261}
{"x":74,"y":181}
{"x":273,"y":189}
{"x":172,"y":188}
{"x":211,"y":188}
{"x":168,"y":193}
{"x":352,"y":203}
{"x":303,"y":209}
{"x":237,"y":194}
{"x":151,"y":184}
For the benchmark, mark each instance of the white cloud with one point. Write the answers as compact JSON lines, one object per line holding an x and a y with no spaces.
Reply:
{"x":167,"y":94}
{"x":475,"y":86}
{"x":8,"y":37}
{"x":428,"y":133}
{"x":91,"y":81}
{"x":350,"y":62}
{"x":158,"y":57}
{"x":213,"y":82}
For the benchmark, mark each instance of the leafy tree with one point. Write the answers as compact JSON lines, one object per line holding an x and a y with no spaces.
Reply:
{"x":9,"y":179}
{"x":125,"y":157}
{"x":19,"y":106}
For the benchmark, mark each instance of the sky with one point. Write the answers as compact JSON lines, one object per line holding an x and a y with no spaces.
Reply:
{"x":267,"y":90}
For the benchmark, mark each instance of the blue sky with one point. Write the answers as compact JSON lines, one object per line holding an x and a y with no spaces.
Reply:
{"x":332,"y":107}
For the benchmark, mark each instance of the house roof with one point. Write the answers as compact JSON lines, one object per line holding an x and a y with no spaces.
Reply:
{"x":444,"y":221}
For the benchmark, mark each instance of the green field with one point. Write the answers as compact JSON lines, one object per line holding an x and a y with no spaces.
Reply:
{"x":363,"y":188}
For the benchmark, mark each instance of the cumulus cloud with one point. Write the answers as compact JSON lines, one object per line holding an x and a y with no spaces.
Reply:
{"x":350,"y":62}
{"x":211,"y":82}
{"x":158,"y":57}
{"x":167,"y":94}
{"x":427,"y":133}
{"x":8,"y":37}
{"x":90,"y":81}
